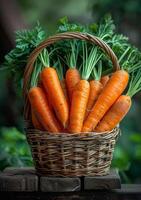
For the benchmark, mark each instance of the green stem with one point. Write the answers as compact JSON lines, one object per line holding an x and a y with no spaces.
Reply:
{"x":135,"y":83}
{"x":96,"y":73}
{"x":123,"y":55}
{"x":107,"y":72}
{"x":89,"y":60}
{"x":72,"y":56}
{"x":59,"y":69}
{"x":35,"y":74}
{"x":45,"y":57}
{"x":136,"y":66}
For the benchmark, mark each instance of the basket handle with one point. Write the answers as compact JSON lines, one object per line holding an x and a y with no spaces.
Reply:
{"x":51,"y":40}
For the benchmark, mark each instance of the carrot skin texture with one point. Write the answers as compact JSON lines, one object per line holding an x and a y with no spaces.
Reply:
{"x":108,"y":96}
{"x":64,"y":88}
{"x":104,"y":80}
{"x":53,"y":87}
{"x":72,"y":78}
{"x":36,"y":122}
{"x":95,"y":89}
{"x":40,"y":106}
{"x":47,"y":96}
{"x":115,"y":114}
{"x":78,"y":106}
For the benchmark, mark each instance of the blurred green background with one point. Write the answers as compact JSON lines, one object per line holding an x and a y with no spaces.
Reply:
{"x":24,"y":13}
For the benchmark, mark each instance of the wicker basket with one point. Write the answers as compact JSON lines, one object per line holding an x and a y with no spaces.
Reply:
{"x":68,"y":154}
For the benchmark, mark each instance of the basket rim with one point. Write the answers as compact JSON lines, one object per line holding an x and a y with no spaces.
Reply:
{"x":31,"y":132}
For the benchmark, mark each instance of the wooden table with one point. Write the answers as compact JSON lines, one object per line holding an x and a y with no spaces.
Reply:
{"x":24,"y":183}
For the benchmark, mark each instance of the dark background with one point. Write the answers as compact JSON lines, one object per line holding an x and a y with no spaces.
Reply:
{"x":21,"y":14}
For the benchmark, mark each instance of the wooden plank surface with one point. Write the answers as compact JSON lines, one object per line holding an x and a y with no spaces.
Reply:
{"x":20,"y":171}
{"x":57,"y":184}
{"x":19,"y":179}
{"x":28,"y":180}
{"x":110,"y":181}
{"x":12,"y":183}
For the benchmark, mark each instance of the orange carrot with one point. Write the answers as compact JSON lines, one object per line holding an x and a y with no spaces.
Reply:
{"x":81,"y":92}
{"x":47,"y":96}
{"x":78,"y":106}
{"x":64,"y":88}
{"x":60,"y":71}
{"x":104,"y":80}
{"x":95,"y":89}
{"x":53,"y":87}
{"x":115,"y":114}
{"x":72,"y":78}
{"x":113,"y":89}
{"x":35,"y":121}
{"x":72,"y":75}
{"x":120,"y":108}
{"x":40,"y":106}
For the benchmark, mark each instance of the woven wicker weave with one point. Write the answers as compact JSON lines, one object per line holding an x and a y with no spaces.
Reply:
{"x":67,"y":154}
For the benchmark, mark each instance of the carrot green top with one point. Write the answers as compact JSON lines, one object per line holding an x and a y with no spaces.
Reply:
{"x":44,"y":57}
{"x":43,"y":60}
{"x":130,"y":59}
{"x":72,"y":54}
{"x":89,"y":60}
{"x":35,"y":75}
{"x":96,"y":72}
{"x":135,"y":83}
{"x":59,"y":68}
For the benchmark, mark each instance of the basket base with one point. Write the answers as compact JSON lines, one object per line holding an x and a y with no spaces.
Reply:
{"x":71,"y":173}
{"x":71,"y":155}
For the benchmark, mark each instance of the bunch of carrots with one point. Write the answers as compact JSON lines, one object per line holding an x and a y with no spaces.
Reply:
{"x":80,"y":99}
{"x":74,"y":89}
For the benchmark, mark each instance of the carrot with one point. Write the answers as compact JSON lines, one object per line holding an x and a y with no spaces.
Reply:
{"x":35,"y":121}
{"x":104,"y":80}
{"x":72,"y":75}
{"x":81,"y":91}
{"x":72,"y":78}
{"x":53,"y":87}
{"x":64,"y":88}
{"x":78,"y":106}
{"x":109,"y":95}
{"x":95,"y":88}
{"x":40,"y":106}
{"x":120,"y":108}
{"x":40,"y":84}
{"x":115,"y":114}
{"x":60,"y":71}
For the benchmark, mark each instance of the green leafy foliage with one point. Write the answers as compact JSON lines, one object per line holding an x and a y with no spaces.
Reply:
{"x":14,"y":149}
{"x":104,"y":29}
{"x":26,"y":41}
{"x":135,"y":83}
{"x":128,"y":55}
{"x":65,"y":26}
